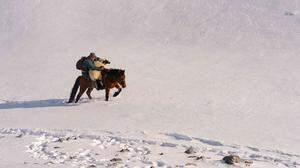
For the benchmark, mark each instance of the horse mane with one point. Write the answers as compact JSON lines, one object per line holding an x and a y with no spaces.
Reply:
{"x":115,"y":72}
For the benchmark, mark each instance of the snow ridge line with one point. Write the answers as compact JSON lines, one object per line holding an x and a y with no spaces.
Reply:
{"x":140,"y":148}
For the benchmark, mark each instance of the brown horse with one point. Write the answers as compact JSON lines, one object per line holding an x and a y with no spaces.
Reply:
{"x":111,"y":78}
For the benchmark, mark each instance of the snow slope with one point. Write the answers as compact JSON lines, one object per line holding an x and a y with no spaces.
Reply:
{"x":221,"y":70}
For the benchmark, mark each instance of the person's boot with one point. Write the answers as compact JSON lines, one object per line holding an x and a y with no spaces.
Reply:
{"x":95,"y":85}
{"x":100,"y":85}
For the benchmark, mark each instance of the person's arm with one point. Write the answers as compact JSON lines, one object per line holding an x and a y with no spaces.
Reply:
{"x":104,"y":61}
{"x":99,"y":59}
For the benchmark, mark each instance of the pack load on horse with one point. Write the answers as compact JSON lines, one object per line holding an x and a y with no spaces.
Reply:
{"x":93,"y":72}
{"x":79,"y":63}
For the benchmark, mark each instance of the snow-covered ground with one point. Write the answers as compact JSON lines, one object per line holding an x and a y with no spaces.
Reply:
{"x":220,"y":76}
{"x":131,"y":149}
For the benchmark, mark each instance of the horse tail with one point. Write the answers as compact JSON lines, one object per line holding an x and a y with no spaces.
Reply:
{"x":74,"y":90}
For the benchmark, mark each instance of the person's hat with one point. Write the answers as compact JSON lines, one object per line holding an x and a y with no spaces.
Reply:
{"x":92,"y":55}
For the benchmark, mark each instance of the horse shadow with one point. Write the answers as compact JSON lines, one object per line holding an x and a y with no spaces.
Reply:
{"x":37,"y":104}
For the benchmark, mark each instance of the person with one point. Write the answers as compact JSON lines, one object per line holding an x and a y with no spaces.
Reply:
{"x":88,"y":65}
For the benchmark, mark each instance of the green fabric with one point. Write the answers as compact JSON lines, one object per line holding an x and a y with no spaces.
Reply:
{"x":88,"y":65}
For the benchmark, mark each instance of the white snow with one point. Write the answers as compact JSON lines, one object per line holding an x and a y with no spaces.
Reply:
{"x":103,"y":149}
{"x":222,"y":76}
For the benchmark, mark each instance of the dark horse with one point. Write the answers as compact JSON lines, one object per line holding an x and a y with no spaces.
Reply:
{"x":111,"y":78}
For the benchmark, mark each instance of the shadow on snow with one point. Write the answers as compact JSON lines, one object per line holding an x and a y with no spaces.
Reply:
{"x":37,"y":103}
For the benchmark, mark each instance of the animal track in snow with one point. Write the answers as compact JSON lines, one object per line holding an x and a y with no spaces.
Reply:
{"x":107,"y":149}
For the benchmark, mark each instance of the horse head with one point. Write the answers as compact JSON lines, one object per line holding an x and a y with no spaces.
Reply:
{"x":122,"y":78}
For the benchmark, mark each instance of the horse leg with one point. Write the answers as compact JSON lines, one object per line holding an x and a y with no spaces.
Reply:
{"x":81,"y":91}
{"x":88,"y":92}
{"x":117,"y":92}
{"x":74,"y":89}
{"x":107,"y":93}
